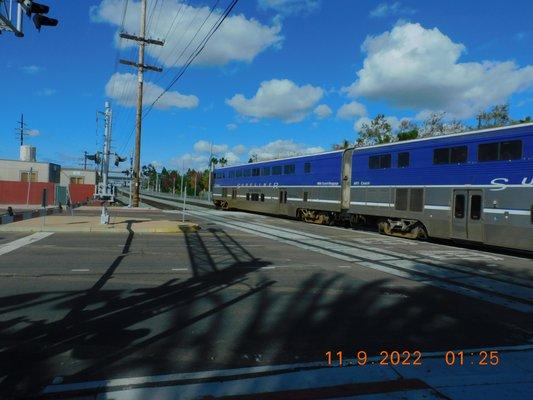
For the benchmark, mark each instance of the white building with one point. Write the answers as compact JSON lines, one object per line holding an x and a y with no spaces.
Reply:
{"x":77,"y":175}
{"x":24,"y":171}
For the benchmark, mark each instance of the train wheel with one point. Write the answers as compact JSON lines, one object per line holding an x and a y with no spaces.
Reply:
{"x":420,"y":232}
{"x":384,"y":227}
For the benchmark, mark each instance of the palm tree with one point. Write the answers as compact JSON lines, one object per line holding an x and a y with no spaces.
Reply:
{"x":222,"y":161}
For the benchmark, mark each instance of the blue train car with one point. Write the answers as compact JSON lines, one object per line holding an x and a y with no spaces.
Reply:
{"x":474,"y":186}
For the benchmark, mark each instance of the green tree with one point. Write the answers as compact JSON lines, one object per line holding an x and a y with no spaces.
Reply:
{"x":407,"y":130}
{"x":223,"y":161}
{"x":377,"y":132}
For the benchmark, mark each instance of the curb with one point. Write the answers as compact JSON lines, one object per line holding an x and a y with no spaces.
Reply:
{"x":7,"y":219}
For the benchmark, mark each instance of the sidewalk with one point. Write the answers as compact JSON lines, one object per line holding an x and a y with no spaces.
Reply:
{"x":68,"y":223}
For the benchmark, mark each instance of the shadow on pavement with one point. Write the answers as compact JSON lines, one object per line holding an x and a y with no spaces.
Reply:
{"x":230,"y":313}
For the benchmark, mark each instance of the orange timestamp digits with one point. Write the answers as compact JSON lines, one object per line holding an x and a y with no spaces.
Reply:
{"x":482,"y":358}
{"x":385,"y":358}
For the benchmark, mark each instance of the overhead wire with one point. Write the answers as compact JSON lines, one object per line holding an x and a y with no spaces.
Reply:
{"x":198,"y":50}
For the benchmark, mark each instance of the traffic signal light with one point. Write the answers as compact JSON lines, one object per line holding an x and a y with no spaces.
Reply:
{"x":42,"y":20}
{"x":38,"y":9}
{"x":119,"y":159}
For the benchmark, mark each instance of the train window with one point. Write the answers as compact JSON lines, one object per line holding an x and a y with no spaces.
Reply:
{"x":488,"y":152}
{"x":403,"y":160}
{"x":441,"y":156}
{"x":511,"y":150}
{"x":255,"y":196}
{"x":280,"y":196}
{"x":255,"y":171}
{"x":475,"y":207}
{"x":373,"y":162}
{"x":234,"y":194}
{"x":238,"y":173}
{"x":307,"y":167}
{"x":382,"y":161}
{"x":459,"y":207}
{"x":246,"y":172}
{"x":262,"y":197}
{"x":385,"y":161}
{"x":225,"y":192}
{"x":532,"y":213}
{"x":305,"y":196}
{"x":265,"y":171}
{"x":289,"y":169}
{"x":284,"y":196}
{"x":459,"y":154}
{"x":231,"y":174}
{"x":416,"y":200}
{"x":401,"y":199}
{"x":276,"y":170}
{"x":247,"y":196}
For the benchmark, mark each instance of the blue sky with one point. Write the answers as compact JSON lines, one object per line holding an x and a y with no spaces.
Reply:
{"x":279,"y":77}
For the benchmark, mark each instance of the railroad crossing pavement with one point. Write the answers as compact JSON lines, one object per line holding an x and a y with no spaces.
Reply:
{"x":252,"y":291}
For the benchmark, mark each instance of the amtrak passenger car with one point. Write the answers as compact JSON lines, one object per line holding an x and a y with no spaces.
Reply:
{"x":474,"y":186}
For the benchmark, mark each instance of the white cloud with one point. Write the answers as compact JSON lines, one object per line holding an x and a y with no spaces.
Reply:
{"x":239,"y":149}
{"x":231,"y":127}
{"x":282,"y":148}
{"x":278,"y":98}
{"x":203,"y":146}
{"x":393,"y":121}
{"x":286,"y":7}
{"x":123,"y":88}
{"x":323,"y":111}
{"x":395,"y":8}
{"x":417,"y":68}
{"x":33,"y":132}
{"x":188,"y":160}
{"x":31,"y":69}
{"x":46,"y":92}
{"x":231,"y":157}
{"x":237,"y":39}
{"x":351,"y":110}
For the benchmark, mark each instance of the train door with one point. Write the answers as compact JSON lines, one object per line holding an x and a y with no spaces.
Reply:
{"x":282,"y":201}
{"x":467,"y":213}
{"x":346,"y":178}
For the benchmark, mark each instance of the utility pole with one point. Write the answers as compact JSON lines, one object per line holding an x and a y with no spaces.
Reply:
{"x":210,"y":171}
{"x":142,"y":40}
{"x":131,"y":176}
{"x":21,"y":129}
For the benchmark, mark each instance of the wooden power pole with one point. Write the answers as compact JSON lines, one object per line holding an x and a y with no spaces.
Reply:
{"x":143,"y":41}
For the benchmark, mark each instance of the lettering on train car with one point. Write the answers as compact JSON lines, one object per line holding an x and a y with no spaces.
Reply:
{"x":501,"y":183}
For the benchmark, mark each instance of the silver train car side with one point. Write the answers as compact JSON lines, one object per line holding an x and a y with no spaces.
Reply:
{"x":474,"y":186}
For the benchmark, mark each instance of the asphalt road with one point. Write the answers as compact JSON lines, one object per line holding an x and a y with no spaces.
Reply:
{"x":245,"y":290}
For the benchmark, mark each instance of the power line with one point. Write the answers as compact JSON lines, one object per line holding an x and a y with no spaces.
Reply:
{"x":196,"y":53}
{"x":191,"y":58}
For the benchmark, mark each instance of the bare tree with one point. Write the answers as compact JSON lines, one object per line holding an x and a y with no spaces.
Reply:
{"x":379,"y":131}
{"x":433,"y":125}
{"x":498,"y":116}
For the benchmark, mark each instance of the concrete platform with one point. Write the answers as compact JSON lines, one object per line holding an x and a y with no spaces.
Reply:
{"x":90,"y":223}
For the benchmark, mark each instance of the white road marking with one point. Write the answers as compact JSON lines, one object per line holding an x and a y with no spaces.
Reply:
{"x":180,"y":269}
{"x":344,"y":266}
{"x":17,"y":244}
{"x":269,"y":267}
{"x":80,"y":270}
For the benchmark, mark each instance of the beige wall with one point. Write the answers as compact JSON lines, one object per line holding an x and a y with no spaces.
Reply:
{"x":88,"y":177}
{"x":10,"y":170}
